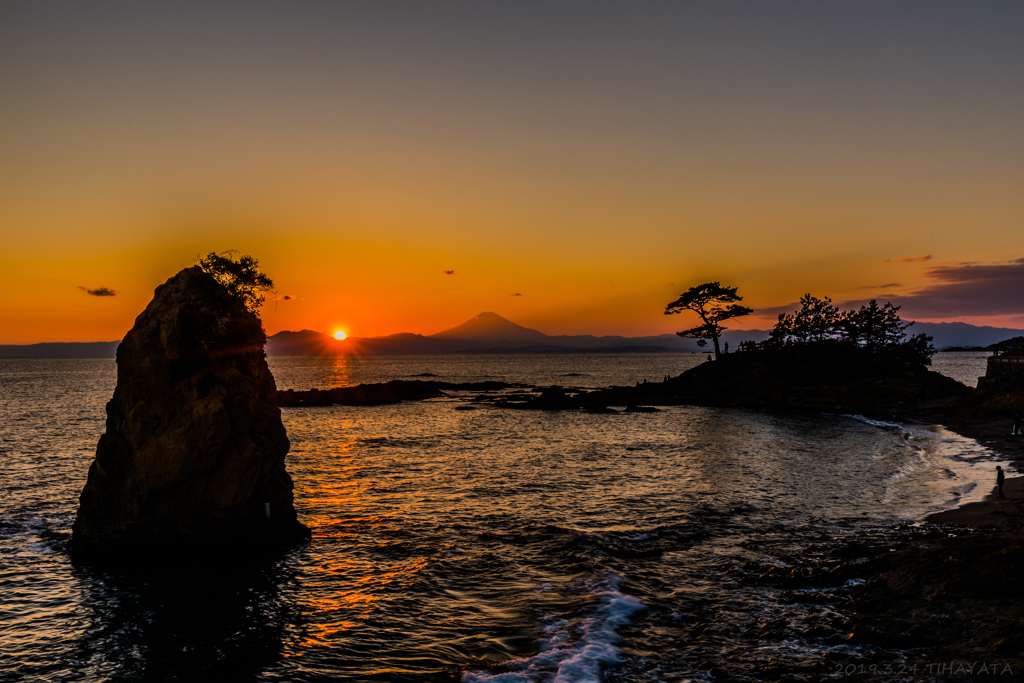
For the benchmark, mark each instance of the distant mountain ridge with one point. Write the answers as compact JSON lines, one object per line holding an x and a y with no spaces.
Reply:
{"x":945,"y":335}
{"x":104,"y":349}
{"x":489,"y":332}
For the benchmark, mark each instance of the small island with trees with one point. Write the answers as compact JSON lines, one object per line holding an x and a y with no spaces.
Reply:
{"x":817,"y":357}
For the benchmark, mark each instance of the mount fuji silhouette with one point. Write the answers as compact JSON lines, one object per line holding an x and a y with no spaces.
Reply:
{"x":491,"y":327}
{"x":485,"y":333}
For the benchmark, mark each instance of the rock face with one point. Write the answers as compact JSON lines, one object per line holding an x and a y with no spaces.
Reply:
{"x":194,"y":448}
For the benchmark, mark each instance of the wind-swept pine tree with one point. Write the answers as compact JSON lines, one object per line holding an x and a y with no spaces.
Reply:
{"x":714,"y":304}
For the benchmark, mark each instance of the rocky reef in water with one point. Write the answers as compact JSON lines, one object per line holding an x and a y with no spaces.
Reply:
{"x":194,"y":446}
{"x":383,"y":393}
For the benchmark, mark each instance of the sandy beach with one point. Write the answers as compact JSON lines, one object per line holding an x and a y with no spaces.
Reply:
{"x":1006,"y":513}
{"x":1003,"y":513}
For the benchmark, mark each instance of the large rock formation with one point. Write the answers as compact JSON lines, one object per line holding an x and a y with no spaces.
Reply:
{"x":194,"y":448}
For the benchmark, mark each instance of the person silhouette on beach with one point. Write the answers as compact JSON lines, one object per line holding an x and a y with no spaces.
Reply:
{"x":1000,"y":478}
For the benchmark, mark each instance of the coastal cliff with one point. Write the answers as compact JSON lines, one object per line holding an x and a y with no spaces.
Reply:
{"x":194,"y":446}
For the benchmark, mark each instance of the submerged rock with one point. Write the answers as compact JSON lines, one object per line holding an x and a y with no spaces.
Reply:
{"x":194,"y":447}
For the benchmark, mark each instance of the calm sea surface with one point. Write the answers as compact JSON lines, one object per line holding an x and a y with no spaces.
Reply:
{"x":482,"y":544}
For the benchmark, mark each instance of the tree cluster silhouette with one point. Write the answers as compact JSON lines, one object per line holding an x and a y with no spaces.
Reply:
{"x":874,"y":329}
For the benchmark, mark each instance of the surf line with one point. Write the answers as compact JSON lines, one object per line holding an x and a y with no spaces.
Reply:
{"x":573,"y":652}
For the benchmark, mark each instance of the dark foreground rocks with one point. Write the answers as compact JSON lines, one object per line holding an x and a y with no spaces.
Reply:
{"x":194,"y":447}
{"x":954,"y":600}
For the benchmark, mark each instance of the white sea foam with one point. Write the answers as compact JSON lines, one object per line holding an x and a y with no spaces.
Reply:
{"x":954,"y":468}
{"x":850,"y":583}
{"x":876,"y":423}
{"x":575,"y":650}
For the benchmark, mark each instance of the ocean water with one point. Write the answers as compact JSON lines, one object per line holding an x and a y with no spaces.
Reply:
{"x":568,"y":370}
{"x":963,"y":366}
{"x":479,"y":544}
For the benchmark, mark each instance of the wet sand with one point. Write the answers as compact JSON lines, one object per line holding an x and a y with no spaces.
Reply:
{"x":1003,"y":513}
{"x":1006,"y":513}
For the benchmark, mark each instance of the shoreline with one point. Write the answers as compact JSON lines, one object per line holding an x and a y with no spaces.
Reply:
{"x":1006,"y":514}
{"x":973,"y":574}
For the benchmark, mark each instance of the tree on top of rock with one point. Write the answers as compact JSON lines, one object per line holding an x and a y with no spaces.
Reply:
{"x":240,"y":275}
{"x":714,"y":304}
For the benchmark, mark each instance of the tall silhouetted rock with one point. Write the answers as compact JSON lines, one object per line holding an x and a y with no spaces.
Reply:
{"x":194,"y":448}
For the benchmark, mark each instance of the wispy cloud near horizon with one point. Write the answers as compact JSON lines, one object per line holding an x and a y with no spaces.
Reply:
{"x":952,"y":290}
{"x":910,"y":259}
{"x":965,"y":290}
{"x":776,"y":310}
{"x":101,"y":291}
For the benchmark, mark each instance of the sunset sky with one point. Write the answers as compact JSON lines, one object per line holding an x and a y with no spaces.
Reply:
{"x":574,"y":165}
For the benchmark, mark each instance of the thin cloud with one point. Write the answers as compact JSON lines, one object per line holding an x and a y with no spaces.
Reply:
{"x":516,"y":294}
{"x":102,"y":291}
{"x":448,"y":272}
{"x":887,"y":286}
{"x":284,"y":297}
{"x":775,"y":310}
{"x":911,"y":259}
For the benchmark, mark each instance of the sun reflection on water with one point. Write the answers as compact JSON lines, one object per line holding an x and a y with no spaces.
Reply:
{"x":337,"y":498}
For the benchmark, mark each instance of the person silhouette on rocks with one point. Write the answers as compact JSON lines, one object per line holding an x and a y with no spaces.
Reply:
{"x":1000,"y":478}
{"x":1016,"y":425}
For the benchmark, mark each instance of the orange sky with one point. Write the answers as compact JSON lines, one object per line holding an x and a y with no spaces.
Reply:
{"x":594,"y":159}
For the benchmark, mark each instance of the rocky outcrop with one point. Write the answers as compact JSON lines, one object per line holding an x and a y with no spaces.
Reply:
{"x":385,"y":393}
{"x":550,"y":398}
{"x":395,"y":391}
{"x":194,"y":447}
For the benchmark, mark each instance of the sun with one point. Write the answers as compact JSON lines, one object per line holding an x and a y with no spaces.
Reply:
{"x":339,"y":335}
